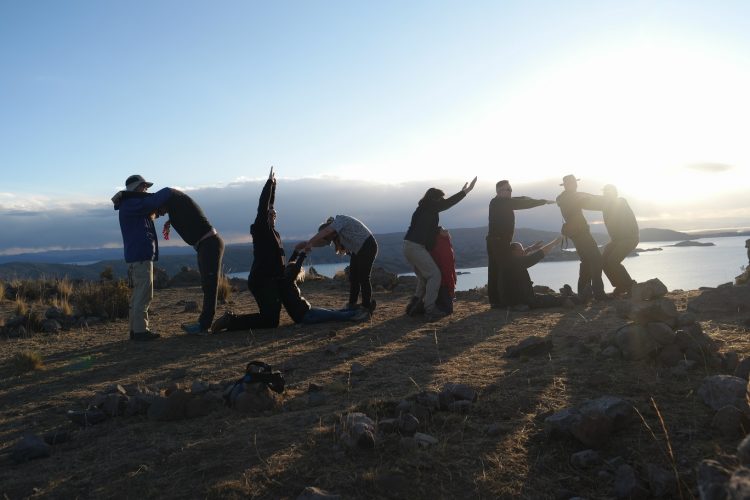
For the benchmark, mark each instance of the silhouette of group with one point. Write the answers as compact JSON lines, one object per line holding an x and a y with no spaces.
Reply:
{"x":427,"y":247}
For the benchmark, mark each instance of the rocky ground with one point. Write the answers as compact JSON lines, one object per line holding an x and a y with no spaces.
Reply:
{"x":617,"y":399}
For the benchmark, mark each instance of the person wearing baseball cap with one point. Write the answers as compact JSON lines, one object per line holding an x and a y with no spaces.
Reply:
{"x":572,"y":203}
{"x":137,"y":210}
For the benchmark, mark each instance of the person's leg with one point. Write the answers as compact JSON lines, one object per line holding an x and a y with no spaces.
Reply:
{"x":612,"y":257}
{"x":411,"y":254}
{"x":491,"y":273}
{"x":426,"y":268}
{"x":210,"y":253}
{"x":142,"y":275}
{"x":366,"y":258}
{"x":591,"y":259}
{"x":269,"y":304}
{"x":320,"y":315}
{"x":354,"y":283}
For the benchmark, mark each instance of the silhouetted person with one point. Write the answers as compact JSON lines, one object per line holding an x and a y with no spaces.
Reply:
{"x":267,"y":269}
{"x":502,"y":225}
{"x":571,"y":204}
{"x":623,"y":234}
{"x":445,"y":258}
{"x":519,"y":285}
{"x":188,"y":219}
{"x":419,"y":240}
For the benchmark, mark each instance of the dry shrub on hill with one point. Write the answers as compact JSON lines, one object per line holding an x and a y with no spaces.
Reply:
{"x":225,"y":289}
{"x":2,"y":291}
{"x":106,"y":299}
{"x":26,"y":361}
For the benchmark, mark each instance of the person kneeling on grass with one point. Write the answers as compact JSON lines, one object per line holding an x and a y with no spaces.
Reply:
{"x":520,"y":287}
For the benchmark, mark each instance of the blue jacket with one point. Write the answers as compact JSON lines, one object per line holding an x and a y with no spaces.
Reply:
{"x":138,"y":232}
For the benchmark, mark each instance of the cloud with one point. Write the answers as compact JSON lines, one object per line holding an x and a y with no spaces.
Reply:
{"x":710,"y":168}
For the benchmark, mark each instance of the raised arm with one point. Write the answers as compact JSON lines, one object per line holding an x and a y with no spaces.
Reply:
{"x":446,"y":203}
{"x":265,"y":202}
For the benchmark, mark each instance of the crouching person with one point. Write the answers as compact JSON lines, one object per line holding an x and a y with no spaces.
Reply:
{"x":299,"y":309}
{"x":520,"y":287}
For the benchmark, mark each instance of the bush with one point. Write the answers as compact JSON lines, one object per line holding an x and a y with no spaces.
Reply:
{"x":63,"y":305}
{"x":106,"y":299}
{"x":224,"y":289}
{"x":22,"y":307}
{"x":26,"y":361}
{"x":2,"y":291}
{"x":107,"y":274}
{"x":64,"y":289}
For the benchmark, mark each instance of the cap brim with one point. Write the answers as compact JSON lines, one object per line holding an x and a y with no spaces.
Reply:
{"x":148,"y":184}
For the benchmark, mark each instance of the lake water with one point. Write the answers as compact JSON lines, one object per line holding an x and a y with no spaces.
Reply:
{"x":685,"y":268}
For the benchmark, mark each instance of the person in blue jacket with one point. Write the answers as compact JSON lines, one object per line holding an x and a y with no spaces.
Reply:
{"x":137,"y":210}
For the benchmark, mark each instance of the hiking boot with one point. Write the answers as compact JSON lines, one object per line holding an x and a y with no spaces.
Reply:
{"x":222,"y":323}
{"x":410,"y":306}
{"x":566,"y":291}
{"x":194,"y":329}
{"x":361,"y":315}
{"x":144,"y":336}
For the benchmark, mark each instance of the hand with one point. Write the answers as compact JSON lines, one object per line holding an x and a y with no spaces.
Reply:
{"x":300,"y":246}
{"x":117,"y":197}
{"x":468,"y":187}
{"x":271,"y":175}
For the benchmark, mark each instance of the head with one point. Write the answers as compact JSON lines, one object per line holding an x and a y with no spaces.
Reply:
{"x":432,"y":194}
{"x":570,"y":183}
{"x":137,"y":184}
{"x":503,"y":189}
{"x":327,"y":223}
{"x":516,"y":249}
{"x":609,"y":191}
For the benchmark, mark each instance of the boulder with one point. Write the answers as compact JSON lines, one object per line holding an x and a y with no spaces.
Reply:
{"x":460,"y":392}
{"x":662,"y":333}
{"x":670,"y":356}
{"x":635,"y":343}
{"x":530,"y":346}
{"x":713,"y":480}
{"x":627,"y":483}
{"x":743,"y":451}
{"x":585,"y":459}
{"x":648,"y":290}
{"x":730,"y":422}
{"x":51,"y":326}
{"x":743,"y":369}
{"x":611,"y":352}
{"x":592,"y":422}
{"x":358,"y":431}
{"x":661,"y":482}
{"x":730,"y":360}
{"x":388,"y":425}
{"x":28,"y":448}
{"x":381,"y":277}
{"x":718,"y":391}
{"x":425,"y":440}
{"x":729,"y":299}
{"x":739,"y":484}
{"x":408,"y":424}
{"x":662,"y":310}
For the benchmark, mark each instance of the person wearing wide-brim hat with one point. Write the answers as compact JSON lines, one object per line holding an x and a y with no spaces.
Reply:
{"x":572,"y":203}
{"x":137,"y":209}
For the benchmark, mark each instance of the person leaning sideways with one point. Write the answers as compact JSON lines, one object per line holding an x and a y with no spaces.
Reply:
{"x":349,"y":236}
{"x":623,"y":234}
{"x":299,"y":309}
{"x":572,"y":203}
{"x":419,"y":240}
{"x":137,"y":210}
{"x":188,"y":219}
{"x":502,"y":225}
{"x":266,"y":271}
{"x":520,"y":287}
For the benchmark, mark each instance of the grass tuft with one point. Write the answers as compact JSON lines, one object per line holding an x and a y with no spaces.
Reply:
{"x":224,"y":290}
{"x":26,"y":361}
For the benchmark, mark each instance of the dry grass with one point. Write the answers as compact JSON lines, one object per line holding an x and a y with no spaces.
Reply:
{"x":26,"y":361}
{"x":224,"y":290}
{"x":63,"y":305}
{"x":277,"y":454}
{"x":2,"y":290}
{"x":105,"y":299}
{"x":21,"y":307}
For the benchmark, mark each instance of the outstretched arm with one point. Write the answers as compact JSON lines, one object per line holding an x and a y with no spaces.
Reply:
{"x":524,"y":202}
{"x":446,"y":203}
{"x":319,"y":240}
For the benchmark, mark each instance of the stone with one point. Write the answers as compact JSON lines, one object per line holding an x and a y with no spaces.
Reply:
{"x":86,"y":418}
{"x":445,"y":400}
{"x":333,"y":349}
{"x":407,"y":444}
{"x":425,"y":440}
{"x":168,"y":408}
{"x":316,"y":398}
{"x":635,"y":343}
{"x":116,"y":389}
{"x":662,"y":310}
{"x":408,"y":424}
{"x":530,"y":346}
{"x":388,"y":425}
{"x":428,"y":399}
{"x":191,"y":306}
{"x":585,"y":459}
{"x":497,"y":428}
{"x":357,"y":369}
{"x":137,"y":405}
{"x":559,"y":423}
{"x":30,"y":447}
{"x":460,"y":406}
{"x":730,"y":422}
{"x":713,"y":480}
{"x":358,"y":431}
{"x":56,"y":437}
{"x":115,"y":404}
{"x":592,"y":422}
{"x":51,"y":326}
{"x":627,"y":484}
{"x":611,"y":352}
{"x":648,"y":290}
{"x":670,"y":356}
{"x":731,"y":299}
{"x":739,"y":484}
{"x":54,"y":313}
{"x":718,"y":391}
{"x":619,"y":410}
{"x":743,"y":369}
{"x":661,"y":481}
{"x":743,"y":451}
{"x":256,"y":398}
{"x":461,"y":392}
{"x":313,"y":493}
{"x":592,"y":429}
{"x":662,"y":333}
{"x":686,"y":319}
{"x":199,"y":387}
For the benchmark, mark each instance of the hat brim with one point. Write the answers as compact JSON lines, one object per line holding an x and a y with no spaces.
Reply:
{"x":563,"y":182}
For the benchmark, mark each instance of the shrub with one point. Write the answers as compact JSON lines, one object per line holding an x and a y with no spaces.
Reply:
{"x":64,"y":289}
{"x":224,"y":289}
{"x":22,"y":307}
{"x":106,"y":299}
{"x":107,"y":274}
{"x":2,"y":291}
{"x":63,"y":305}
{"x":26,"y":361}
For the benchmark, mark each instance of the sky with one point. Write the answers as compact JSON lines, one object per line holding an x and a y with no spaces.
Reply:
{"x":361,"y":106}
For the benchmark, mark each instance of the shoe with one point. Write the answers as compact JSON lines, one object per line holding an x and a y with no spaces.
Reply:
{"x":434,"y":315}
{"x":144,"y":336}
{"x":361,"y":315}
{"x":222,"y":323}
{"x":350,"y":306}
{"x":194,"y":329}
{"x":410,"y":306}
{"x":520,"y":307}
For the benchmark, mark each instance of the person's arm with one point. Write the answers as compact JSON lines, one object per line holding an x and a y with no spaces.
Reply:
{"x":265,"y":202}
{"x":546,"y":249}
{"x":524,"y":202}
{"x":319,"y":240}
{"x":446,"y":203}
{"x":156,"y":200}
{"x":593,"y":202}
